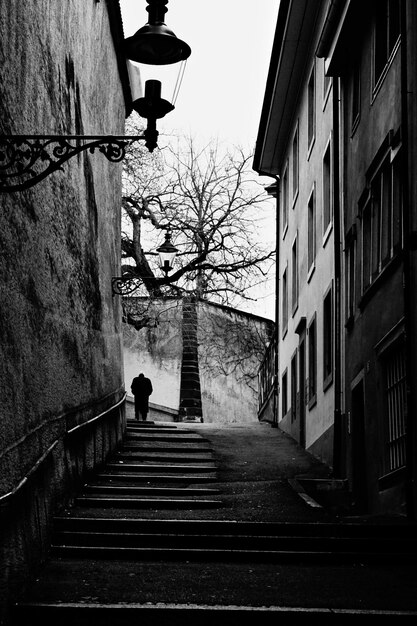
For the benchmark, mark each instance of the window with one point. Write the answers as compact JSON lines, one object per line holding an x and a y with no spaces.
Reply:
{"x":295,"y":165}
{"x":327,"y":339}
{"x":311,"y":103}
{"x":387,"y":32}
{"x":327,"y":81}
{"x":366,"y":246}
{"x":381,"y":220}
{"x":285,"y":301}
{"x":312,"y":363}
{"x":284,"y":201}
{"x":350,"y":251}
{"x":327,"y":190}
{"x":284,"y":396}
{"x":295,"y":282}
{"x":311,"y":229}
{"x":356,"y":94}
{"x":294,"y":387}
{"x":396,"y":407}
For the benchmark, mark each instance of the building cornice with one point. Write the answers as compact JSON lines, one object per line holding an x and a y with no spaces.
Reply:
{"x":296,"y":25}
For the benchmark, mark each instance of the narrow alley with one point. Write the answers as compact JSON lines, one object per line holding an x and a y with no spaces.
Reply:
{"x":200,"y":521}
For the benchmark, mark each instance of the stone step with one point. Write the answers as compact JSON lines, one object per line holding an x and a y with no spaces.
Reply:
{"x":156,"y":491}
{"x":160,"y":467}
{"x":162,"y":456}
{"x":369,"y":532}
{"x":136,"y":428}
{"x":148,"y":424}
{"x":170,"y":614}
{"x":157,"y":502}
{"x":165,"y":447}
{"x":143,"y":477}
{"x":227,"y":555}
{"x":169,"y":437}
{"x":258,"y":546}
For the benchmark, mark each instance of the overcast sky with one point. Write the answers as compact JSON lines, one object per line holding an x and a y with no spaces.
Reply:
{"x":224,"y":82}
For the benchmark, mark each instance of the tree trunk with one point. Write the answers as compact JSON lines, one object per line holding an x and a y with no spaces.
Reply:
{"x":190,"y":391}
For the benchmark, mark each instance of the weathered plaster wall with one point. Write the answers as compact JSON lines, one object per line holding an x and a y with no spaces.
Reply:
{"x":224,"y":336}
{"x":157,"y":353}
{"x":60,"y":341}
{"x":231,"y":345}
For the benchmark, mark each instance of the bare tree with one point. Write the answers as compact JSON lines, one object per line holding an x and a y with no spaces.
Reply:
{"x":211,"y":202}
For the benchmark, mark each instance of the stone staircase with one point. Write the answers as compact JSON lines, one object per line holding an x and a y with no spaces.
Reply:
{"x":155,"y":469}
{"x":148,"y":541}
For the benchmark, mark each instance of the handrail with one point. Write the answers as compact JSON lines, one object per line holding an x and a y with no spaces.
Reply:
{"x":97,"y":417}
{"x":44,"y":456}
{"x":46,"y":423}
{"x":24,"y":480}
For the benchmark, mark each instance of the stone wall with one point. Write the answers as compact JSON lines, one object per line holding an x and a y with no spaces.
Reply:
{"x":60,"y":341}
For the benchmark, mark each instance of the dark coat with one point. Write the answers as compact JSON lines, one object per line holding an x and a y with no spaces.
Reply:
{"x":141,"y":388}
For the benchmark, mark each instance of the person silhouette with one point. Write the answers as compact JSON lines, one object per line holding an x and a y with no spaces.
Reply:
{"x":141,"y":388}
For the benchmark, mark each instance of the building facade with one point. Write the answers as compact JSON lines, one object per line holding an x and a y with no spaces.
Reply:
{"x":61,"y":376}
{"x":296,"y":145}
{"x":362,"y":183}
{"x":377,"y":147}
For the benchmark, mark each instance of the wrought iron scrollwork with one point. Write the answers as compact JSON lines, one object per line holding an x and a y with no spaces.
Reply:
{"x":25,"y":160}
{"x":123,"y":286}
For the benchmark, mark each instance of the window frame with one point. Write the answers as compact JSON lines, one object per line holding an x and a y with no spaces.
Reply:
{"x":312,"y":362}
{"x":311,"y":233}
{"x":295,"y":277}
{"x":355,"y":104}
{"x":284,"y":393}
{"x":294,"y":385}
{"x":284,"y":302}
{"x":328,"y":338}
{"x":285,"y":200}
{"x":380,"y":211}
{"x":351,"y":253}
{"x":311,"y":109}
{"x":327,"y":191}
{"x":382,"y":38}
{"x":295,"y":165}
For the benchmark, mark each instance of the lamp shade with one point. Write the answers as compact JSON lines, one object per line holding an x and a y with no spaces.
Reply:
{"x":156,"y":44}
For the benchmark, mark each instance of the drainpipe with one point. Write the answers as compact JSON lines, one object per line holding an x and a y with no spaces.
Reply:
{"x":273,"y":190}
{"x":276,"y":364}
{"x":410,"y":245}
{"x":337,"y":428}
{"x":276,"y":359}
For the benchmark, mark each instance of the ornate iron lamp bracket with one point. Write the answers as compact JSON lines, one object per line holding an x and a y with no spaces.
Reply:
{"x":123,"y":286}
{"x":25,"y":160}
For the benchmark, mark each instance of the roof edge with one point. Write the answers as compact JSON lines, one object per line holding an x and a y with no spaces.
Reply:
{"x":117,"y":32}
{"x":270,"y":84}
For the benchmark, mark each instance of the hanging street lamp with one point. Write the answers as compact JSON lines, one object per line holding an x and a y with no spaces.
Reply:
{"x":154,"y":47}
{"x":167,"y":253}
{"x":25,"y":160}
